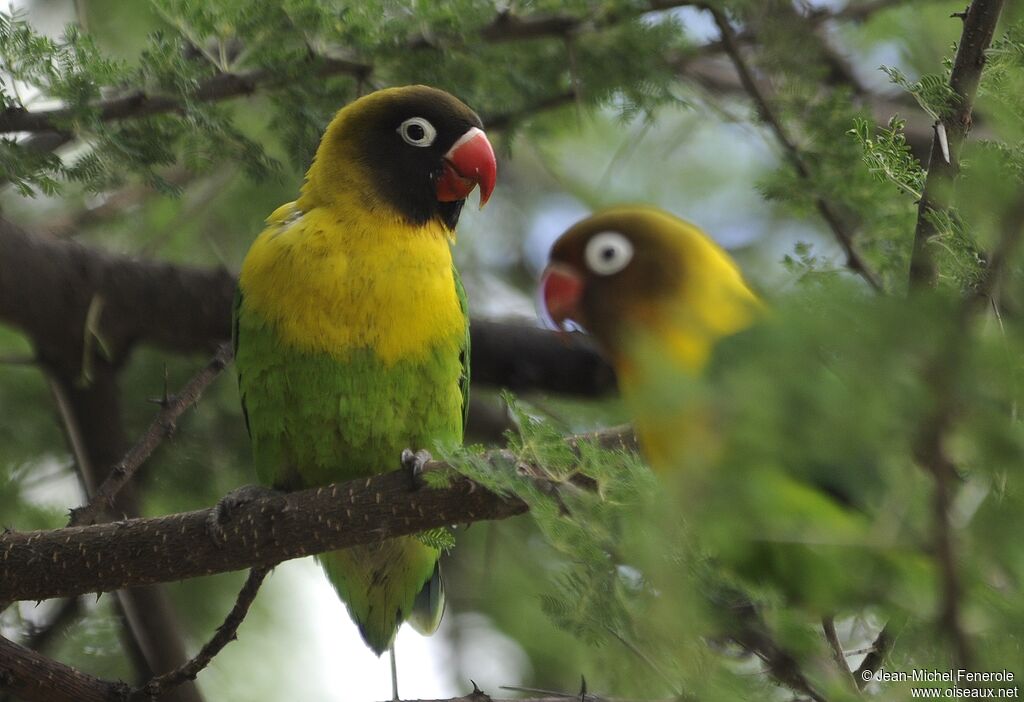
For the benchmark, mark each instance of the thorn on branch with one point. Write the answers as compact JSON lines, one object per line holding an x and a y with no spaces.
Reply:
{"x":163,"y":426}
{"x":979,"y":22}
{"x":144,"y":551}
{"x":940,"y":133}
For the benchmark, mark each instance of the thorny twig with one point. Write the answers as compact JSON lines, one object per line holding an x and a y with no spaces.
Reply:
{"x":162,"y":427}
{"x":839,"y":228}
{"x":937,"y":195}
{"x":828,"y":627}
{"x":225,"y":634}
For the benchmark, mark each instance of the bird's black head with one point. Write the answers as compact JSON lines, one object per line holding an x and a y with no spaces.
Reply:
{"x":415,"y":150}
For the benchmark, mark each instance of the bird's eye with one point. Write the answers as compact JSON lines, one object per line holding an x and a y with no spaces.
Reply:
{"x":417,"y":131}
{"x":608,"y":252}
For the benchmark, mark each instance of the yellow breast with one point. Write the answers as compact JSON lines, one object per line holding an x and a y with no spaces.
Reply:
{"x":331,"y":280}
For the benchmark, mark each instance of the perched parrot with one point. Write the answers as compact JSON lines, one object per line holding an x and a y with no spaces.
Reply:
{"x":657,"y":293}
{"x":351,"y":331}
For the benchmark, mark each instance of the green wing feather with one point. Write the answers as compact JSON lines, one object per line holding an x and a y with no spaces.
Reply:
{"x":236,"y":317}
{"x":460,"y":290}
{"x":428,"y":608}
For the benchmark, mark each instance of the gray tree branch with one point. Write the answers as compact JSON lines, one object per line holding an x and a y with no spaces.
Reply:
{"x":76,"y":560}
{"x":70,"y":298}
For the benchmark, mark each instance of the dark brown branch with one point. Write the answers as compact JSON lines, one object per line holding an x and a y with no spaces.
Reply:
{"x":843,"y":235}
{"x":508,"y":27}
{"x":753,"y":635}
{"x":505,"y":27}
{"x":481,"y":696}
{"x":225,"y":634}
{"x":1012,"y":231}
{"x":828,"y":627}
{"x":930,"y":450}
{"x":872,"y":662}
{"x":859,"y":11}
{"x":509,"y":119}
{"x":47,"y":286}
{"x":720,"y":77}
{"x":930,"y":453}
{"x":519,"y":357}
{"x":222,"y":86}
{"x":103,"y":557}
{"x":937,"y":196}
{"x":33,"y":677}
{"x":162,"y":427}
{"x":76,"y":560}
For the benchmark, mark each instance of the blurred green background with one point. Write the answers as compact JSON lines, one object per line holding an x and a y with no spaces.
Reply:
{"x":657,"y":118}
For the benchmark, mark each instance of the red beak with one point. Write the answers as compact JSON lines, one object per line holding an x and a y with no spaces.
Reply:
{"x":470,"y":162}
{"x":562,"y":289}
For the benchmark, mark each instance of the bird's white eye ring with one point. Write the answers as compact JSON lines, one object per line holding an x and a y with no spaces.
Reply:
{"x":608,"y":252}
{"x":417,"y":131}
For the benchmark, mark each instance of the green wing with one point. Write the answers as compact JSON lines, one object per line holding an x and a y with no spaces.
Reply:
{"x":235,"y":328}
{"x":464,"y":356}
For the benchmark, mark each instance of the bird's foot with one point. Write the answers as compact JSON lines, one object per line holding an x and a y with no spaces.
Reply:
{"x":223,"y":512}
{"x":414,"y":462}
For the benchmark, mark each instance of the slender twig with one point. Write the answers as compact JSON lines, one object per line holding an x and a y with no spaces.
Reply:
{"x":828,"y":627}
{"x":839,"y":228}
{"x":505,"y":27}
{"x":220,"y":86}
{"x":860,"y":11}
{"x":753,"y":635}
{"x":872,"y":662}
{"x":72,"y":432}
{"x":979,"y":26}
{"x":162,"y":427}
{"x":225,"y":634}
{"x":643,"y":657}
{"x":1012,"y":231}
{"x":507,"y":119}
{"x":479,"y":695}
{"x":930,"y":451}
{"x":67,"y":611}
{"x":930,"y":454}
{"x":151,"y":634}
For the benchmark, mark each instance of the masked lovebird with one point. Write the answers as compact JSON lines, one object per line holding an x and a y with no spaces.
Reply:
{"x":660,"y":297}
{"x":351,"y":331}
{"x":657,"y":293}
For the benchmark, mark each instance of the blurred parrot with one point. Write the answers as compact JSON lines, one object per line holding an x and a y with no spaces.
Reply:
{"x":659,"y":296}
{"x":351,"y":331}
{"x":657,"y":293}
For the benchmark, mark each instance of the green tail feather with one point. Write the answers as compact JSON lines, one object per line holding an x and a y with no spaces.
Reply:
{"x":428,"y":607}
{"x":381,"y":583}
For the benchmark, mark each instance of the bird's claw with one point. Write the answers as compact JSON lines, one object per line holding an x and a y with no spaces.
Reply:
{"x":222,"y":512}
{"x":414,"y":462}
